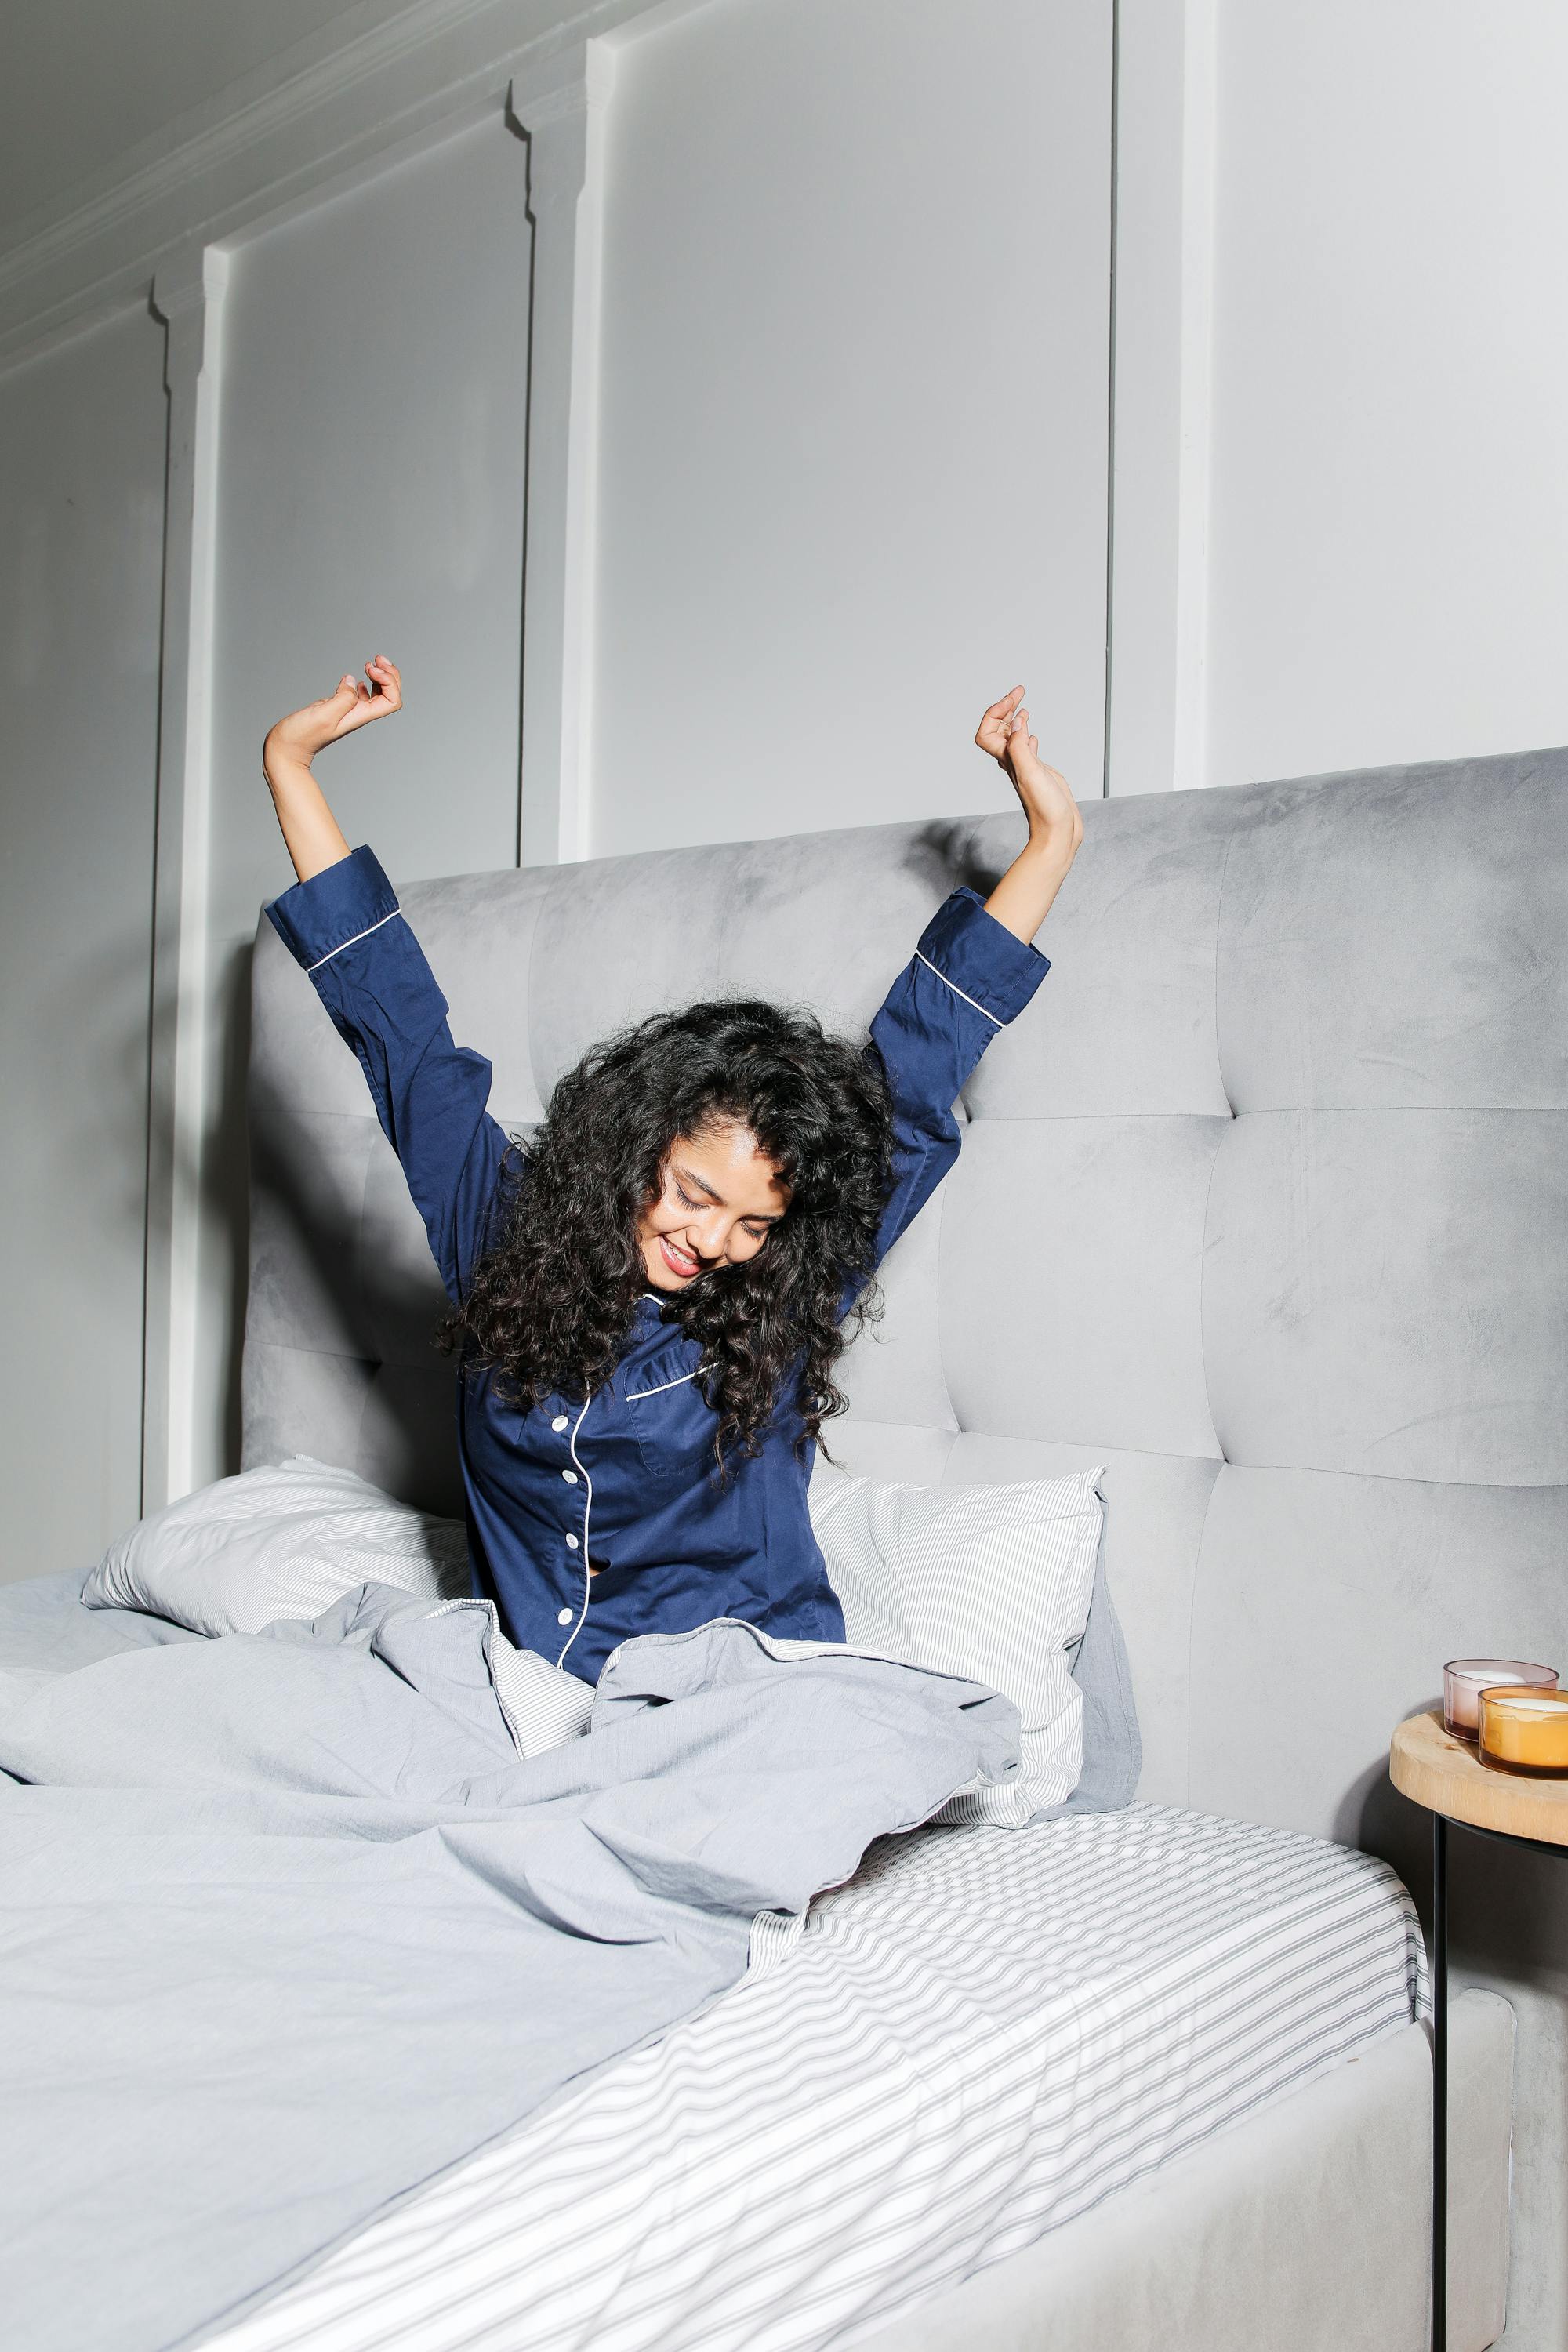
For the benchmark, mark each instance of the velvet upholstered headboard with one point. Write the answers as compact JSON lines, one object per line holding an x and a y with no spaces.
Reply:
{"x":1264,"y":1202}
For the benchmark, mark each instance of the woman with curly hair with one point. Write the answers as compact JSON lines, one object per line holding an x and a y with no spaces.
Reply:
{"x":649,"y":1299}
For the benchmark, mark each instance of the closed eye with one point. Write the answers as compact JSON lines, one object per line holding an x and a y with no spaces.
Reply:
{"x":758,"y":1231}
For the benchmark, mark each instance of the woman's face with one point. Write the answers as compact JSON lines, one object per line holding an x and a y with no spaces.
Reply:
{"x":716,"y":1200}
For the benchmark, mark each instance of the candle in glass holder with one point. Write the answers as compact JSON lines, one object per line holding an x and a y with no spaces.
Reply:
{"x":1464,"y":1679}
{"x":1525,"y":1730}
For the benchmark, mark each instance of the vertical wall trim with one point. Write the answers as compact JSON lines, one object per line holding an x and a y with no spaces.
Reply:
{"x":1110,"y":397}
{"x":1161,"y":359}
{"x":563,"y":120}
{"x":1195,"y":482}
{"x":187,"y":296}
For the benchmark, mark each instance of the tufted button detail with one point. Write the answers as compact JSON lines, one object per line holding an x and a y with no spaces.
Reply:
{"x":563,"y":1617}
{"x":559,"y":1421}
{"x":571,"y":1543}
{"x":569,"y":1476}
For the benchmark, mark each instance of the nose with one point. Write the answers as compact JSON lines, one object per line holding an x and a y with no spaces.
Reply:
{"x":697,"y":1235}
{"x":710,"y":1236}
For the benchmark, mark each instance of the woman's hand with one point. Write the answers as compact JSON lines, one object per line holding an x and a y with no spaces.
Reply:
{"x":311,"y":831}
{"x":1053,"y":814}
{"x":303,"y":733}
{"x":1022,"y":899}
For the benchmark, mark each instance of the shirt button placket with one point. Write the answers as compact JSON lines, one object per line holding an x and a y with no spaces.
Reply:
{"x":574,"y":1542}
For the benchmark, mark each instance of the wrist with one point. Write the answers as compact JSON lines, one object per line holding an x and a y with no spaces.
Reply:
{"x":1049,"y":848}
{"x":283,"y":765}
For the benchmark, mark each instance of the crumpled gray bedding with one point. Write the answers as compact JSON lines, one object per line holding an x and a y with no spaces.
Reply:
{"x":288,"y":1926}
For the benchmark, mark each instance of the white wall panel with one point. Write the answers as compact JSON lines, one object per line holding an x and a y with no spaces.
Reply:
{"x":81,"y":510}
{"x":853,"y":458}
{"x":1389,"y":542}
{"x":371,"y":501}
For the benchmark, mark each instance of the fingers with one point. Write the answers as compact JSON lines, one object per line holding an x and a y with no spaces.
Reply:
{"x":362,"y":702}
{"x":386,"y":680}
{"x":991,"y":735}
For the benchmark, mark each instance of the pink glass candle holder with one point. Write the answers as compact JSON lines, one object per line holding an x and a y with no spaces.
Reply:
{"x":1464,"y":1679}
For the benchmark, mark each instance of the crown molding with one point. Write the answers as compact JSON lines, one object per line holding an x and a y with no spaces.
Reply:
{"x":270,"y":145}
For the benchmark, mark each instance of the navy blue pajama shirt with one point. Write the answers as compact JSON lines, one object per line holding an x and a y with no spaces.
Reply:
{"x":632,"y":1470}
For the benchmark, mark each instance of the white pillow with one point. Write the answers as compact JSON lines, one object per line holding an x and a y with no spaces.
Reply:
{"x":278,"y":1542}
{"x":992,"y":1582}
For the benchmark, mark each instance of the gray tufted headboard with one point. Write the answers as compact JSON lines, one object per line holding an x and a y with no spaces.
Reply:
{"x":1265,"y":1201}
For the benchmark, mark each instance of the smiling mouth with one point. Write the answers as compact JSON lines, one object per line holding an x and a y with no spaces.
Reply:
{"x":676,"y":1260}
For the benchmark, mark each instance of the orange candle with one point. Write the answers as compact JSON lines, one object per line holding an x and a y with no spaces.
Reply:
{"x":1525,"y":1730}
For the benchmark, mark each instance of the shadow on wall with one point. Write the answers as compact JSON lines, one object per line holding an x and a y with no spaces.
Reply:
{"x":951,"y":851}
{"x":1507,"y":1907}
{"x":225,"y":1184}
{"x":104,"y":1052}
{"x":345,"y":1307}
{"x":1507,"y":1930}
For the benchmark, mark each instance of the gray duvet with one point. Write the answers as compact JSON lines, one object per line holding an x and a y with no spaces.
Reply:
{"x":288,"y":1925}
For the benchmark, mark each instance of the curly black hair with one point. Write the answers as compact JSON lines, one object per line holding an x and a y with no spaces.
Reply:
{"x":550,"y":1308}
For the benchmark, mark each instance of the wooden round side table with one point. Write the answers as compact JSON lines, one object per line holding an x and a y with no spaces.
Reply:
{"x":1433,"y":1769}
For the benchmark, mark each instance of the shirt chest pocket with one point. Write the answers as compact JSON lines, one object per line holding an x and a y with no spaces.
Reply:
{"x":674,"y":1426}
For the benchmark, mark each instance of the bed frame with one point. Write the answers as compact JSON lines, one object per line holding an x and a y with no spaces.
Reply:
{"x":1263,"y":1205}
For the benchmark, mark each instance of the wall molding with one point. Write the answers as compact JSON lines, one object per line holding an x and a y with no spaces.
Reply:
{"x":280,"y":154}
{"x":1162,"y":349}
{"x":565,"y":126}
{"x":188,"y":296}
{"x":326,"y":112}
{"x":1200,"y":60}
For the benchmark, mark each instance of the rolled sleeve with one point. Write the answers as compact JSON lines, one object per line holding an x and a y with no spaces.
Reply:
{"x":341,"y":904}
{"x":981,"y":958}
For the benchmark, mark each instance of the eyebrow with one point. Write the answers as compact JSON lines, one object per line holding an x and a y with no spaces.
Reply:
{"x":689,"y":1176}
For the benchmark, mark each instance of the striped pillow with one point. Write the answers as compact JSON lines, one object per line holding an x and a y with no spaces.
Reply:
{"x":992,"y":1582}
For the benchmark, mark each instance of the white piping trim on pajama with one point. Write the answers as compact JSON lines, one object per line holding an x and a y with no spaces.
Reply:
{"x":587,"y":1514}
{"x":353,"y":942}
{"x":632,"y":1394}
{"x":956,"y":989}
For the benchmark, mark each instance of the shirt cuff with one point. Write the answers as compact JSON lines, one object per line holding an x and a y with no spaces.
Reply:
{"x":981,"y":958}
{"x":333,"y":909}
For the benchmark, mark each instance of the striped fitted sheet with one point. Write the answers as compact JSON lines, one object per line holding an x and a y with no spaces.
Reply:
{"x":981,"y":2035}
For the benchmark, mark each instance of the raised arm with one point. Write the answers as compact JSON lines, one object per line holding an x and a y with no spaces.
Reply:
{"x":975,"y":969}
{"x":342,"y":924}
{"x":310,"y":832}
{"x":1027,"y":892}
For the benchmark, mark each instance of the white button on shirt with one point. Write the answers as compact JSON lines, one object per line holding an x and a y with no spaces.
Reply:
{"x":559,"y":1421}
{"x":569,"y":1476}
{"x":565,"y":1617}
{"x":571,"y":1543}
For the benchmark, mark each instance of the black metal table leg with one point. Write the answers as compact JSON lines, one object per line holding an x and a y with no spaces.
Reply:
{"x":1439,"y":2083}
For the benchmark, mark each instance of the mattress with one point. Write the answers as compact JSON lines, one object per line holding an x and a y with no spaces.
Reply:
{"x":981,"y":2035}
